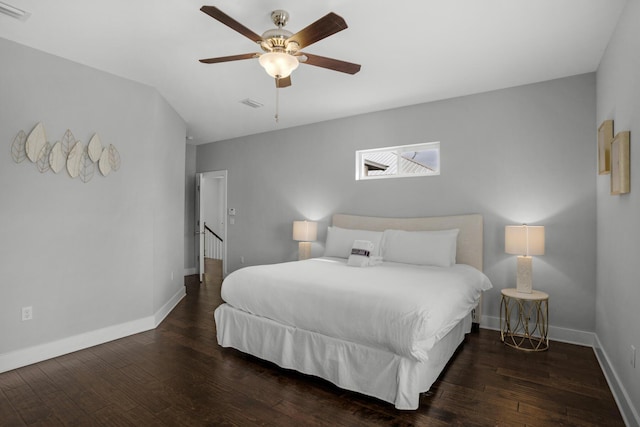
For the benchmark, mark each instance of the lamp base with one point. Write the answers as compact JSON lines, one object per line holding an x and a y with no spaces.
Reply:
{"x":523,"y":281}
{"x":304,"y":250}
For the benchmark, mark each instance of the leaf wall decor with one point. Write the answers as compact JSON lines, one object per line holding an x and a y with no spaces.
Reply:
{"x":114,"y":158}
{"x":57,"y":159}
{"x":18,"y":151}
{"x":74,"y":159}
{"x":36,"y":140}
{"x":95,"y":148}
{"x":43,"y":158}
{"x":79,"y":159}
{"x":87,"y":167}
{"x":104,"y":164}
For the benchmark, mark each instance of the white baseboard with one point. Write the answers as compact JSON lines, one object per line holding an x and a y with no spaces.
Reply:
{"x":170,"y":305}
{"x":19,"y":358}
{"x":627,"y":409}
{"x":570,"y":336}
{"x":190,"y":271}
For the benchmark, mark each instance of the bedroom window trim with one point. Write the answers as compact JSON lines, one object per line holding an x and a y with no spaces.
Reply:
{"x":389,"y":162}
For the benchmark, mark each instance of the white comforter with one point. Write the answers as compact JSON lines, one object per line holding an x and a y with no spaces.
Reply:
{"x":398,"y":307}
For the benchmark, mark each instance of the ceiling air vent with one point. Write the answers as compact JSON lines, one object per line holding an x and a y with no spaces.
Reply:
{"x":14,"y":12}
{"x":251,"y":103}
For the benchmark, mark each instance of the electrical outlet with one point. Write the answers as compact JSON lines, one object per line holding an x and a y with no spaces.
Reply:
{"x":633,"y":357}
{"x":241,"y":260}
{"x":27,"y":313}
{"x":172,"y":276}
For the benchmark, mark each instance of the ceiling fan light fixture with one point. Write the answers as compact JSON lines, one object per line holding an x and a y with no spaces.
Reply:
{"x":278,"y":65}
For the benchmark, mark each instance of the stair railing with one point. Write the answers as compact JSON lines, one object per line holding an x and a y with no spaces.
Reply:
{"x":213,"y":247}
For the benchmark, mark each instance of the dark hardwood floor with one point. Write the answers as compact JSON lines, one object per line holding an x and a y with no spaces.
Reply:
{"x":177,"y":375}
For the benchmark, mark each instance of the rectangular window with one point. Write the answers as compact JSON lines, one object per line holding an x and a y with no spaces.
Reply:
{"x":399,"y":162}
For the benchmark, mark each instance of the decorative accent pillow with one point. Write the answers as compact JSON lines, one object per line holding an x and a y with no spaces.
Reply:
{"x":437,"y":248}
{"x":360,"y":253}
{"x":340,"y":241}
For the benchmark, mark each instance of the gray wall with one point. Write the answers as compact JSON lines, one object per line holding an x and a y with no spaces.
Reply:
{"x":517,"y":155}
{"x":86,"y":256}
{"x":618,"y":283}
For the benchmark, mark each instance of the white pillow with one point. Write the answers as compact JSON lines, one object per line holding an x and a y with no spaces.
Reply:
{"x":340,"y":241}
{"x":436,"y":248}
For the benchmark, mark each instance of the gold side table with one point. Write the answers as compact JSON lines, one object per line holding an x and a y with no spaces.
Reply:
{"x":524,"y":320}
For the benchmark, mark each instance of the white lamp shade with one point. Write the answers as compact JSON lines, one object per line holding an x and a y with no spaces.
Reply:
{"x":278,"y":64}
{"x":524,"y":240}
{"x":305,"y":231}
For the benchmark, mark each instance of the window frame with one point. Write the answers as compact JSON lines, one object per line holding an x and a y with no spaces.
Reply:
{"x":397,"y":150}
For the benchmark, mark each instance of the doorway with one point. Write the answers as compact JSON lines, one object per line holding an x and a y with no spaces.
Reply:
{"x":211,"y":208}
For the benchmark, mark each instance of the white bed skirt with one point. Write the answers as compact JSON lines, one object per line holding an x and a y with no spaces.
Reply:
{"x":367,"y":370}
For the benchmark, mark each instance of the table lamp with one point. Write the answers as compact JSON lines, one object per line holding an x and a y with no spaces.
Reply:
{"x":524,"y":241}
{"x":304,"y":232}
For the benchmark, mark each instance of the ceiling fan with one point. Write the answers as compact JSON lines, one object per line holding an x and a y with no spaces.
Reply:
{"x":281,"y":48}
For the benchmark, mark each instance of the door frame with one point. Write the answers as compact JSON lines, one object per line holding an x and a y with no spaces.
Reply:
{"x":200,"y":198}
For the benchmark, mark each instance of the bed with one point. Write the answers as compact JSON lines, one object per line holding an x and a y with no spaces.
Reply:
{"x":376,"y":330}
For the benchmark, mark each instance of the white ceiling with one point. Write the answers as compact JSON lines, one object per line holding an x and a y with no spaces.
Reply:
{"x":411,"y":51}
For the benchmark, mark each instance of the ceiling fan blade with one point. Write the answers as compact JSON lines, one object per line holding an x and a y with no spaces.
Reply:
{"x":330,"y":63}
{"x":283,"y":82}
{"x":322,"y":28}
{"x":219,"y":15}
{"x":229,"y":58}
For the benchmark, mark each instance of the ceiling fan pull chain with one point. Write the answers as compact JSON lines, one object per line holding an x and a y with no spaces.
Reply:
{"x":277,"y":104}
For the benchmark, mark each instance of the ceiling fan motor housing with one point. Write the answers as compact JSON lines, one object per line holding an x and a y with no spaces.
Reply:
{"x":275,"y":40}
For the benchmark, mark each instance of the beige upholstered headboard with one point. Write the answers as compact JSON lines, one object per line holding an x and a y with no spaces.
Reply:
{"x":469,"y":244}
